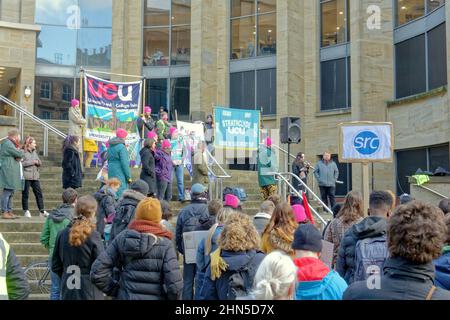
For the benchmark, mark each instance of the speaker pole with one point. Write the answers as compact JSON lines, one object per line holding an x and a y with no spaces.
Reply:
{"x":289,"y":157}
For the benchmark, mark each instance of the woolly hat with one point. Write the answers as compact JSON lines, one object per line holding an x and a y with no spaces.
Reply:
{"x":268,"y":142}
{"x":147,"y":109}
{"x":166,"y":144}
{"x":152,"y":135}
{"x":405,"y":198}
{"x":74,"y":103}
{"x":149,"y":209}
{"x":172,"y":130}
{"x":231,"y":201}
{"x":198,"y":189}
{"x":307,"y":238}
{"x":121,"y":133}
{"x":140,"y":186}
{"x":299,"y":213}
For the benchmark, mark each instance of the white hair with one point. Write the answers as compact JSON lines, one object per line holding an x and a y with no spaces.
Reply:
{"x":275,"y":276}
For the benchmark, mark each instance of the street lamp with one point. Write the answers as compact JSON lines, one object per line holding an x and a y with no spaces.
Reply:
{"x":27,"y":92}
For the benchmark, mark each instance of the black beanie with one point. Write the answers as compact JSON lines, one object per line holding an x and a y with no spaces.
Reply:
{"x":140,"y":186}
{"x":307,"y":238}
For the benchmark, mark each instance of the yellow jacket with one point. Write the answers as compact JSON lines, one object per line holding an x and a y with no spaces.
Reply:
{"x":90,"y":145}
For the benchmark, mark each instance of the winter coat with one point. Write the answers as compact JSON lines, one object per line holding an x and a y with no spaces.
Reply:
{"x":260,"y":220}
{"x":335,"y":232}
{"x":72,"y":174}
{"x":76,"y":122}
{"x":31,"y":170}
{"x":163,"y":129}
{"x":118,"y":163}
{"x":326,"y":174}
{"x":125,"y":211}
{"x":10,"y":176}
{"x":195,"y":208}
{"x":65,"y":257}
{"x":370,"y":227}
{"x":199,"y":169}
{"x":401,"y":280}
{"x":163,"y":166}
{"x":56,"y":221}
{"x":169,"y":226}
{"x":205,"y":223}
{"x":148,"y":169}
{"x":317,"y":282}
{"x":203,"y":260}
{"x":209,"y":133}
{"x":106,"y":207}
{"x":299,"y":169}
{"x":442,"y":265}
{"x":267,"y":163}
{"x":217,"y":289}
{"x":148,"y":264}
{"x":147,"y":125}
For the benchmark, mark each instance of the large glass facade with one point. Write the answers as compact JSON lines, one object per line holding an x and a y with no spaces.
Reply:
{"x":335,"y":84}
{"x":167,"y":32}
{"x":409,"y":10}
{"x":253,"y":28}
{"x":335,"y":27}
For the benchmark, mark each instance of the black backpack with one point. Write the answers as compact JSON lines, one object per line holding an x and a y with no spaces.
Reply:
{"x":123,"y":217}
{"x":241,"y":281}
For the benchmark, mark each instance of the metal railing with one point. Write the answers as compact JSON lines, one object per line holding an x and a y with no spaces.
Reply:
{"x":22,"y":112}
{"x":433,"y":191}
{"x":218,"y":178}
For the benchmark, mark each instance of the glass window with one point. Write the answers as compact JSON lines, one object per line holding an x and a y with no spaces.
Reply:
{"x":267,"y":6}
{"x":180,"y":96}
{"x":156,"y":47}
{"x":64,"y":116}
{"x":46,"y":90}
{"x":410,"y":67}
{"x":61,"y":52}
{"x":335,"y":88}
{"x":434,"y":4}
{"x":334,"y":26}
{"x":181,"y":12}
{"x":243,"y":33}
{"x":94,"y":47}
{"x":437,"y":57}
{"x":181,"y":45}
{"x":267,"y":34}
{"x":60,"y":12}
{"x":157,"y":94}
{"x":438,"y":157}
{"x":67,"y":92}
{"x":95,"y":13}
{"x":157,"y":13}
{"x":408,"y":10}
{"x":241,"y":8}
{"x":267,"y":91}
{"x":242,"y":90}
{"x":46,"y":115}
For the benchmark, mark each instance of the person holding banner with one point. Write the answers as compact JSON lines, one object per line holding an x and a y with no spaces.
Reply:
{"x":76,"y":121}
{"x":163,"y":127}
{"x":178,"y":153}
{"x":119,"y":161}
{"x":145,"y":123}
{"x":267,"y":164}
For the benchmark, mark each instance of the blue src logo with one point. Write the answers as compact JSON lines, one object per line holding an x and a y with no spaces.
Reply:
{"x":366,"y":142}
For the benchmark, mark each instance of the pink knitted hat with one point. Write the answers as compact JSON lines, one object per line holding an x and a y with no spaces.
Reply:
{"x":147,"y":109}
{"x":299,"y":213}
{"x":231,"y":201}
{"x":172,"y":130}
{"x":74,"y":103}
{"x":121,"y":133}
{"x":151,"y":135}
{"x":166,"y":144}
{"x":268,"y":142}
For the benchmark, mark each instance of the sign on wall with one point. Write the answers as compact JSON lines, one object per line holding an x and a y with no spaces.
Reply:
{"x":364,"y":141}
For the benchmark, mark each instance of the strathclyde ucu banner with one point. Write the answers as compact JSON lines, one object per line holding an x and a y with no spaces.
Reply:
{"x":237,"y":128}
{"x":111,"y":105}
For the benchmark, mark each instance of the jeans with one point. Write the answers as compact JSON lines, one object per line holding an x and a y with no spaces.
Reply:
{"x":327,"y":193}
{"x":164,"y":190}
{"x":36,"y":186}
{"x":55,"y":291}
{"x":179,"y":174}
{"x":188,"y":280}
{"x":6,"y":200}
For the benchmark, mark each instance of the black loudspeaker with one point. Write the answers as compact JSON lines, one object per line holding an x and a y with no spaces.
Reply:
{"x":290,"y":131}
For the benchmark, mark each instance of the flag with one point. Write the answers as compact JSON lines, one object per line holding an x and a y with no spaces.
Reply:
{"x":307,"y":209}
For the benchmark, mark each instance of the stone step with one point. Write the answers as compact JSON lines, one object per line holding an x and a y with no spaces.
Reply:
{"x":26,"y":260}
{"x":38,"y":296}
{"x":22,"y":237}
{"x":22,"y":225}
{"x":27,"y":248}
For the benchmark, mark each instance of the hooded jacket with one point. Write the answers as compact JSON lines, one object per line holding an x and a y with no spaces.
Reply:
{"x":56,"y":221}
{"x":317,"y":282}
{"x":370,"y":227}
{"x":401,"y":280}
{"x":164,"y":166}
{"x":72,"y":174}
{"x":148,"y":169}
{"x":148,"y":264}
{"x":125,"y":211}
{"x":118,"y":163}
{"x":106,"y":208}
{"x":442,"y":265}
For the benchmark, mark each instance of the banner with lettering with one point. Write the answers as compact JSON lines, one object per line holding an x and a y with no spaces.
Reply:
{"x":236,"y":128}
{"x":192,"y":134}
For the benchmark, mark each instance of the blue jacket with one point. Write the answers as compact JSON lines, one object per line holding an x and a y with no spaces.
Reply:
{"x":119,"y":163}
{"x":326,"y":174}
{"x":218,"y":289}
{"x":203,"y":261}
{"x":442,"y":265}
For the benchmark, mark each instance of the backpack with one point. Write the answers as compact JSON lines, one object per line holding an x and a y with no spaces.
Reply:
{"x":238,"y":192}
{"x":192,"y":223}
{"x":241,"y":281}
{"x":370,"y":252}
{"x":123,"y":217}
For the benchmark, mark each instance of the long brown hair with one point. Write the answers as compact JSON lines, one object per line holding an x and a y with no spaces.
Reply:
{"x":28,"y":141}
{"x":353,"y":207}
{"x":82,"y":226}
{"x":282,"y":220}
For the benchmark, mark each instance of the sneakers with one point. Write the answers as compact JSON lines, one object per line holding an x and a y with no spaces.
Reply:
{"x":44,"y":214}
{"x":9,"y":216}
{"x":27,"y":214}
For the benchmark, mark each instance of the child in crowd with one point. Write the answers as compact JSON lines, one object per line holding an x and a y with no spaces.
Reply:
{"x":106,"y":209}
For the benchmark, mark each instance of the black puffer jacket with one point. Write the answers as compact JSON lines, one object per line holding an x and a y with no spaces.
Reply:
{"x":72,"y":174}
{"x":401,"y":280}
{"x":148,"y":169}
{"x":149,"y":268}
{"x":370,"y":227}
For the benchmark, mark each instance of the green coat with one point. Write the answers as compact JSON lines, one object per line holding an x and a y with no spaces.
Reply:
{"x":10,"y":177}
{"x":163,"y":128}
{"x":119,"y":163}
{"x":50,"y":231}
{"x":267,"y":162}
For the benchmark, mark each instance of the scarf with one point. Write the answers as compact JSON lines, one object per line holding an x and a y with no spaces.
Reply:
{"x":218,"y":265}
{"x":16,"y":144}
{"x":144,"y":226}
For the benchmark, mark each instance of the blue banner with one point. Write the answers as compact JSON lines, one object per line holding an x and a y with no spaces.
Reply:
{"x":236,"y":128}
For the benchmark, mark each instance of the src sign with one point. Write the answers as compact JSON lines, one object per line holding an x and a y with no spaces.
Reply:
{"x":365,"y":142}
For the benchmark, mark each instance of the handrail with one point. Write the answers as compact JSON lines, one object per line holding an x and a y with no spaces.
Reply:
{"x":284,"y":151}
{"x":307,"y":188}
{"x":225,"y":174}
{"x":433,"y":191}
{"x":324,"y":222}
{"x":218,"y":178}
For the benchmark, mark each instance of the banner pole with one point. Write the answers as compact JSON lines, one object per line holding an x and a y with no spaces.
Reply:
{"x":81,"y":110}
{"x":365,"y":186}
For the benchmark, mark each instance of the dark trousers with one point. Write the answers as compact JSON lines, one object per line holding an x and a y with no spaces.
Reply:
{"x":164,"y":190}
{"x":327,"y":193}
{"x":36,"y":186}
{"x":188,"y":280}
